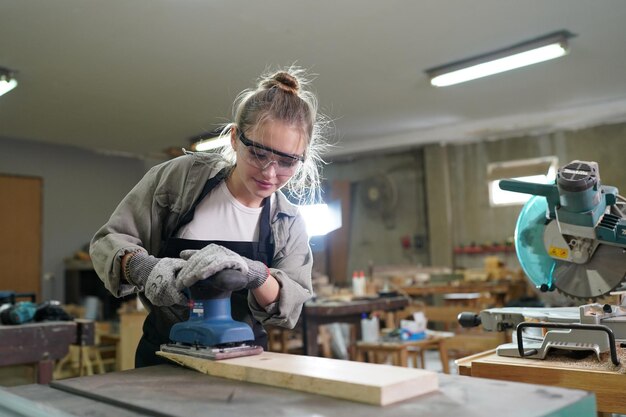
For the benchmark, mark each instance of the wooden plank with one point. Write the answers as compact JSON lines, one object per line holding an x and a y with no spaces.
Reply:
{"x":608,"y":384}
{"x":464,"y":365}
{"x":362,"y":382}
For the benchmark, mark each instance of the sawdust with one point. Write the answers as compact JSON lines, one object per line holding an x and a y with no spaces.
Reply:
{"x":588,"y":360}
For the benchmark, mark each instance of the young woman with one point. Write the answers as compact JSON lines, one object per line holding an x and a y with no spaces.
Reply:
{"x":222,"y":211}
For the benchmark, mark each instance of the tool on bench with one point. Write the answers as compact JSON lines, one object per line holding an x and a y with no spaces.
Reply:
{"x":211,"y":332}
{"x":19,"y":312}
{"x":16,"y":312}
{"x":570,"y":236}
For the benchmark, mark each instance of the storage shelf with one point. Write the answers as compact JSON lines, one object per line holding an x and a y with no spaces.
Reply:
{"x":474,"y":250}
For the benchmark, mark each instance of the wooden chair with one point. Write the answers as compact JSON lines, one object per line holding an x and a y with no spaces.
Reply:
{"x":460,"y":342}
{"x":463,"y":342}
{"x":462,"y":345}
{"x":84,"y":359}
{"x":382,"y":352}
{"x":438,"y":315}
{"x":285,"y":340}
{"x":397,"y":352}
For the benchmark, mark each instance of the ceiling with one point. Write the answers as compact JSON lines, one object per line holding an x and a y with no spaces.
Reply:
{"x":139,"y":76}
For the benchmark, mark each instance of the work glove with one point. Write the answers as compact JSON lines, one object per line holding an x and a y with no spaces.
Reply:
{"x":226,"y":280}
{"x":157,"y":278}
{"x":211,"y":259}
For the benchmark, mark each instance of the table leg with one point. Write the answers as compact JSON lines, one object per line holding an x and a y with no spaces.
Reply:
{"x":44,"y":371}
{"x":404,"y":357}
{"x":309,"y":336}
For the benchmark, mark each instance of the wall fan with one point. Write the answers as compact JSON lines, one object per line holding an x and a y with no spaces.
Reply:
{"x":379,"y":195}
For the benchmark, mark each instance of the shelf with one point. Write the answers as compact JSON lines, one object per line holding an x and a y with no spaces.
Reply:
{"x":73,"y":264}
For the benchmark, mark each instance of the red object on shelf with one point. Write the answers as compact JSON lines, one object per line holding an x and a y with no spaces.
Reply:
{"x":483,"y":249}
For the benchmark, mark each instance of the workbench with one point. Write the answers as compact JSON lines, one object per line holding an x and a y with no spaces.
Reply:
{"x":602,"y":378}
{"x":498,"y":290}
{"x":169,"y":390}
{"x":316,"y":313}
{"x":40,"y":344}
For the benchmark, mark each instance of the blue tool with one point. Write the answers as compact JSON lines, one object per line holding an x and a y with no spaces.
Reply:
{"x":18,"y":313}
{"x":211,"y":332}
{"x":12,"y":312}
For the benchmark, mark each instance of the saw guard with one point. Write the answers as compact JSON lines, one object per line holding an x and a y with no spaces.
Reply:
{"x":529,"y":242}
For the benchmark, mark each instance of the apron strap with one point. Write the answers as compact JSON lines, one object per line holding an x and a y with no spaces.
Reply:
{"x":208,"y":187}
{"x":266,"y":243}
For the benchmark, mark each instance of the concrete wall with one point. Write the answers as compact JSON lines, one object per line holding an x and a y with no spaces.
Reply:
{"x":80,"y":190}
{"x":377,"y":230}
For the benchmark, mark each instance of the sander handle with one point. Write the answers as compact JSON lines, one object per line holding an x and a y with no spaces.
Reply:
{"x":219,"y":285}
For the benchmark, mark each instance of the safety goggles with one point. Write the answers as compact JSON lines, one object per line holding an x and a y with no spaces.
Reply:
{"x":262,"y":156}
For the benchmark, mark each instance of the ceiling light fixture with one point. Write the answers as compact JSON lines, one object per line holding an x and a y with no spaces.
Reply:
{"x":537,"y":50}
{"x":7,"y":81}
{"x":209,"y":141}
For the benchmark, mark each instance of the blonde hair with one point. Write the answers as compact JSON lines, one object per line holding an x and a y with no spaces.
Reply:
{"x":282,"y":96}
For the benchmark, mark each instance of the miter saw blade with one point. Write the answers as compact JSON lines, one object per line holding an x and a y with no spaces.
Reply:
{"x":603,"y":273}
{"x":529,"y":244}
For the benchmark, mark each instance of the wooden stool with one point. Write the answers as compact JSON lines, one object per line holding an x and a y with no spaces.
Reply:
{"x":398,"y":351}
{"x":85,"y":357}
{"x":380,"y":352}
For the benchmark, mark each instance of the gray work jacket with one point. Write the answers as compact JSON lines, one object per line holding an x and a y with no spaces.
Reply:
{"x":149,"y":213}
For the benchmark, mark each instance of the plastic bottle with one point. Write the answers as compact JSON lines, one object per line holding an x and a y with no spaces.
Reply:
{"x":369,"y":328}
{"x":363,"y":281}
{"x":358,"y":285}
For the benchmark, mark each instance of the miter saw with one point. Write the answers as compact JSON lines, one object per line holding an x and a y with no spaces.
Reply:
{"x":570,"y":237}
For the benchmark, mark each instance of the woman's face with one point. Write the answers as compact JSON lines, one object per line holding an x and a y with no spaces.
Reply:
{"x":267,"y":157}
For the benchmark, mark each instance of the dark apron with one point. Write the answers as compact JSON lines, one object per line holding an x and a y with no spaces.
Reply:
{"x":156,"y":327}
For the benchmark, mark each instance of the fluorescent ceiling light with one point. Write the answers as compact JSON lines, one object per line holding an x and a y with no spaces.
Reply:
{"x":211,"y":143}
{"x":537,"y":50}
{"x":7,"y":81}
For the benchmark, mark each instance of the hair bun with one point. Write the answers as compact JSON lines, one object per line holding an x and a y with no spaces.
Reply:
{"x":284,"y":81}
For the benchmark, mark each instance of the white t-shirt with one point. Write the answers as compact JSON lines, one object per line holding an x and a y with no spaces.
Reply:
{"x":219,"y":216}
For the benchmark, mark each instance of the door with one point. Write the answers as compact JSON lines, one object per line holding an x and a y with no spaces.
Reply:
{"x":20,"y":234}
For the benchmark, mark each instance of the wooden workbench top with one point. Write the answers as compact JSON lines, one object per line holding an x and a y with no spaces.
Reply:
{"x":168,"y":390}
{"x":603,"y":378}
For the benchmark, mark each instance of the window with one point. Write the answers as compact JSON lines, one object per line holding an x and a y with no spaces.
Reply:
{"x":537,"y":170}
{"x":321,"y":219}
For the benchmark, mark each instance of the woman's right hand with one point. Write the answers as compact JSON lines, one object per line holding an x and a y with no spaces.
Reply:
{"x":206,"y":262}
